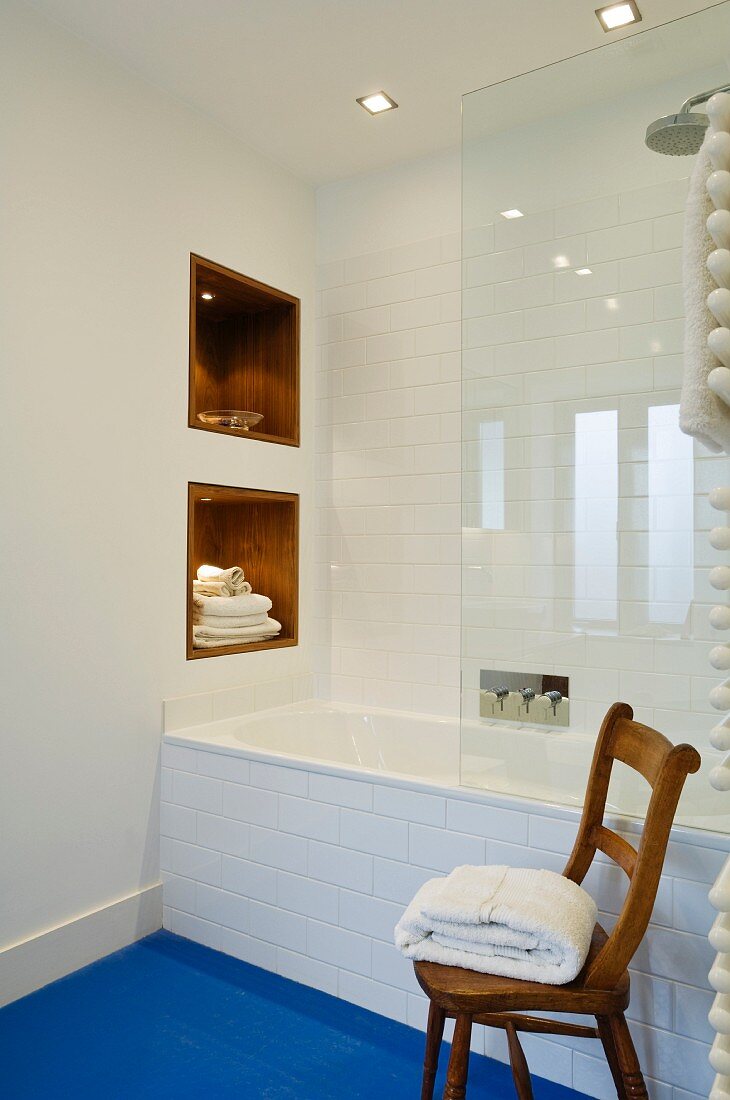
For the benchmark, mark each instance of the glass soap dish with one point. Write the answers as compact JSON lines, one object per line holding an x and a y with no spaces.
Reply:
{"x":237,"y":419}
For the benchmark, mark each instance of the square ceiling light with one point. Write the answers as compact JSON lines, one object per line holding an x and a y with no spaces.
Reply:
{"x":377,"y":102}
{"x":615,"y":16}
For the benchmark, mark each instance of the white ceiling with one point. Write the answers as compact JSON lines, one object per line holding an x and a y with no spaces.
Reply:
{"x":283,"y":75}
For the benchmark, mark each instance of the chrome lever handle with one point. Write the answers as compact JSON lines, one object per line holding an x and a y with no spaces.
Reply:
{"x":528,"y":694}
{"x":551,"y":700}
{"x":500,"y":693}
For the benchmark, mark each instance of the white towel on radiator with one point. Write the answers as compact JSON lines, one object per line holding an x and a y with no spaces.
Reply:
{"x":512,"y":921}
{"x":701,"y":413}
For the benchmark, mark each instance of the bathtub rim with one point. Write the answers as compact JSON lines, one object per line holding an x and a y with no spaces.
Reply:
{"x":186,"y":738}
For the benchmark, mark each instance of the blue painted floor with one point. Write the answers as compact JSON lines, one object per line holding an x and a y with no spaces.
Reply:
{"x":169,"y":1018}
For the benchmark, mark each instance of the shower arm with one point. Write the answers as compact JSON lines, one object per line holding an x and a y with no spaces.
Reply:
{"x":701,"y":97}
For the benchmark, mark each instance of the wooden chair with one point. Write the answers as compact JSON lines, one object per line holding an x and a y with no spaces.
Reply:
{"x":602,"y":987}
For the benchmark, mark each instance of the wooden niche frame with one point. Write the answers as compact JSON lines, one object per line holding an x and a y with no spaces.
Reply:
{"x":244,"y":352}
{"x":258,"y":530}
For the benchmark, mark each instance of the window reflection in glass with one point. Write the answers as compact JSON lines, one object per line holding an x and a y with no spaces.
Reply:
{"x":671,"y":517}
{"x":596,"y":516}
{"x":491,"y":443}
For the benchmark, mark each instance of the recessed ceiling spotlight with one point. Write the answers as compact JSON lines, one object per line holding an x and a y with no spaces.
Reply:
{"x":512,"y":214}
{"x":207,"y":296}
{"x":377,"y":102}
{"x":583,"y":271}
{"x":614,"y":16}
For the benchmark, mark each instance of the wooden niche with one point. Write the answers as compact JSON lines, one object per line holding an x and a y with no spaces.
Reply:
{"x":257,"y":530}
{"x":244,"y":352}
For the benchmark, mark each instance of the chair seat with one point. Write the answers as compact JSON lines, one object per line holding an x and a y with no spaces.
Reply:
{"x":465,"y":991}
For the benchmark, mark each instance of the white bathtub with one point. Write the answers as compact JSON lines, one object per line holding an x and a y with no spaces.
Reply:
{"x":514,"y":762}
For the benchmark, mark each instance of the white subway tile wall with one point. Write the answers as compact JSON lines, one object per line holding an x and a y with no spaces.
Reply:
{"x":388,"y":475}
{"x":584,"y":511}
{"x":313,"y":892}
{"x":211,"y":706}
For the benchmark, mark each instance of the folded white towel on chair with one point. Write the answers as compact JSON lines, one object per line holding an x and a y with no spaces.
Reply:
{"x":232,"y":578}
{"x":237,"y":633}
{"x":250,"y":604}
{"x":512,"y":921}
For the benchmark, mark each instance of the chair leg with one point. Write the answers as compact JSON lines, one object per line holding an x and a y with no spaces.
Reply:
{"x":518,"y":1063}
{"x":459,"y":1060}
{"x":630,"y":1084}
{"x":434,"y":1035}
{"x":609,"y":1049}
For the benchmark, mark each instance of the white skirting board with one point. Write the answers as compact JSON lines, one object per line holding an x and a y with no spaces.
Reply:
{"x":52,"y":954}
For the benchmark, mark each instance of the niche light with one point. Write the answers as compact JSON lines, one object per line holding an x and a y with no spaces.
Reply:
{"x":206,"y":296}
{"x":512,"y":214}
{"x":615,"y":16}
{"x":583,"y":271}
{"x":206,"y":500}
{"x":377,"y":102}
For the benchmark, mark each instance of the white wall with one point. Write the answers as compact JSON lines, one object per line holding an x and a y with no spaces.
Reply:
{"x":370,"y":213}
{"x":108,"y":186}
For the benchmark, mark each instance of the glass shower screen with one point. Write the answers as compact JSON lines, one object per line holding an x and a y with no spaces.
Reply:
{"x":585,"y":512}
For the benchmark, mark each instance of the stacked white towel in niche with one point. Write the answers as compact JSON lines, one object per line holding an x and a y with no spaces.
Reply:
{"x":512,"y":921}
{"x":213,"y":581}
{"x":226,"y":612}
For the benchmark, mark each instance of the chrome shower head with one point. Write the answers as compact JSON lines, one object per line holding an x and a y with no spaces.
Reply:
{"x":682,"y":134}
{"x":677,"y":135}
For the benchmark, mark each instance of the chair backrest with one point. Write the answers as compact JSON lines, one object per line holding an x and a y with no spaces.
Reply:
{"x":665,"y":767}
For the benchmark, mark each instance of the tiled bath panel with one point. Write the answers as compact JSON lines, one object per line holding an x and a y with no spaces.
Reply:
{"x":306,"y":872}
{"x":578,"y":559}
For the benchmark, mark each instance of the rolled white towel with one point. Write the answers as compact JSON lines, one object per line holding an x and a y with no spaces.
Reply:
{"x":514,"y":922}
{"x":208,"y":572}
{"x":211,"y":588}
{"x":232,"y":578}
{"x":229,"y":621}
{"x":249,"y":604}
{"x":268,"y":626}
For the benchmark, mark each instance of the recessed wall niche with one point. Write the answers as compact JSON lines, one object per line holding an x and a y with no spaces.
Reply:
{"x":258,"y":530}
{"x":244,"y":353}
